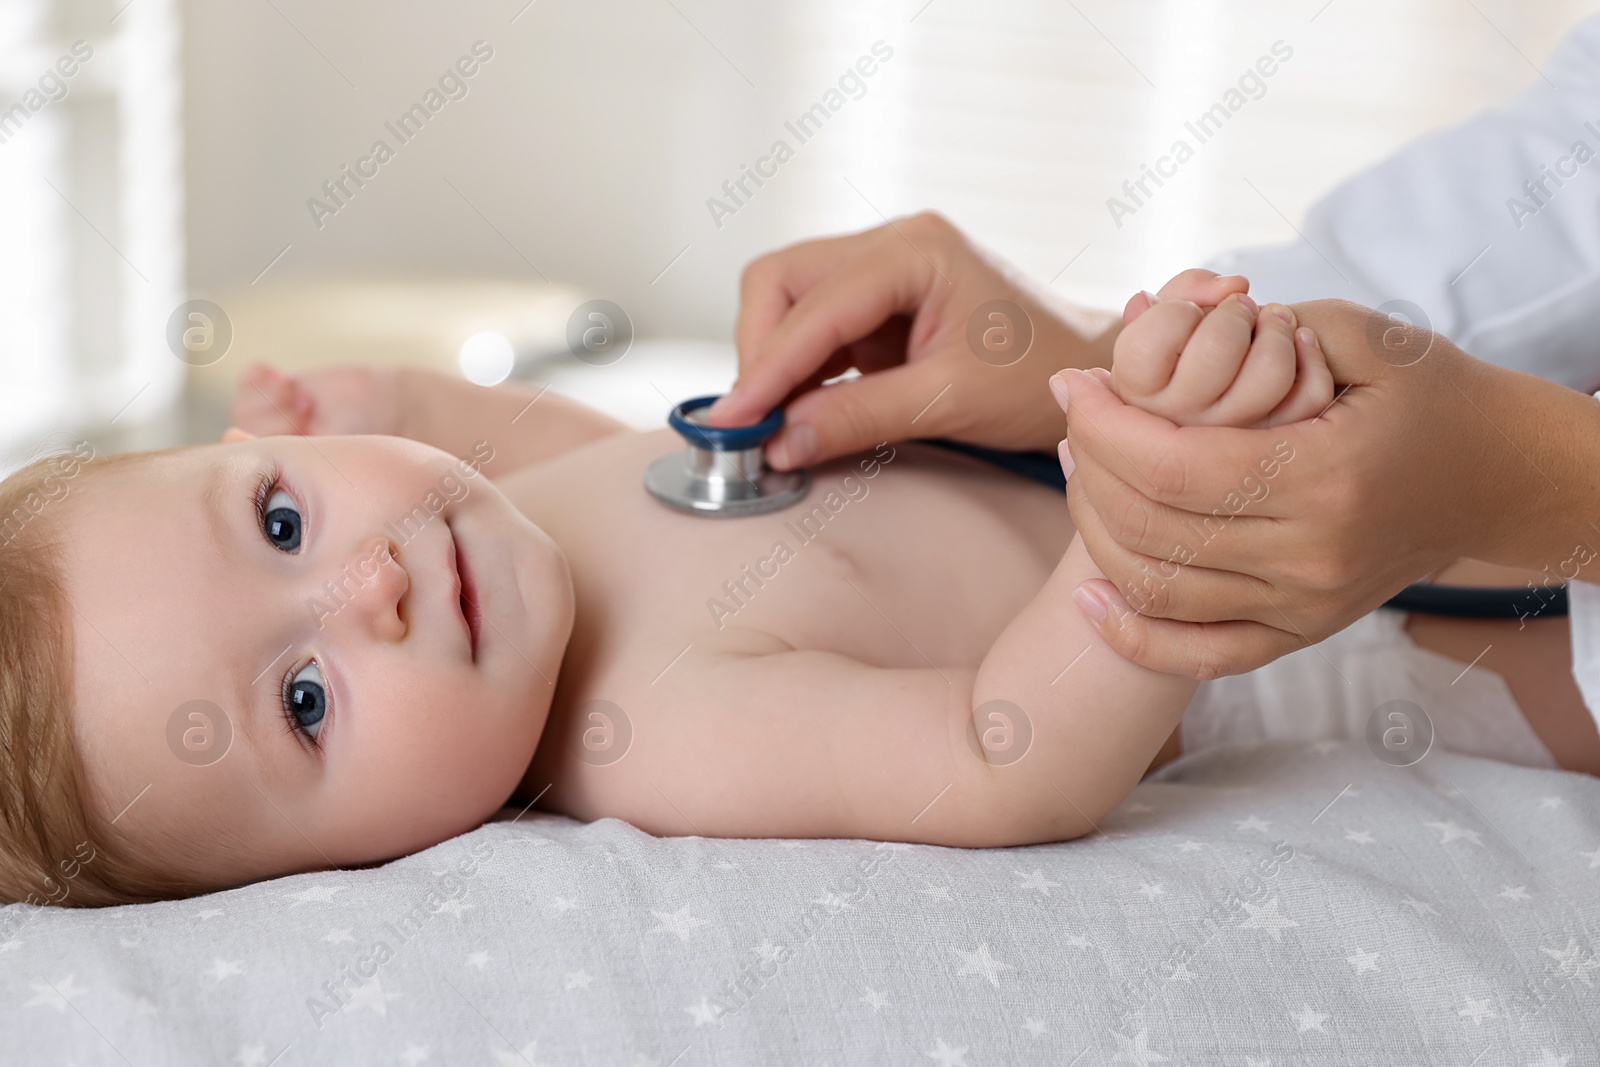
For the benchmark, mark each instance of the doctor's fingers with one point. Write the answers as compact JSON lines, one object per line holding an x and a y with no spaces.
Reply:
{"x":854,"y":415}
{"x":1227,"y":537}
{"x":1159,"y":586}
{"x":1199,"y":650}
{"x":771,"y":283}
{"x":885,"y":278}
{"x":1192,"y":468}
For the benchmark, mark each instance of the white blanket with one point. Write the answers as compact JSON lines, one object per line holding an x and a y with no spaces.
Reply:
{"x":1274,"y":904}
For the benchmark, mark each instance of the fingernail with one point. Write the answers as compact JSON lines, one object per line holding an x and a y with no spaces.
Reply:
{"x":1305,"y":336}
{"x":1065,"y":455}
{"x":1091,"y":604}
{"x":1101,"y":375}
{"x":1282,"y":313}
{"x":1059,"y":389}
{"x":1244,"y":298}
{"x":1148,"y":295}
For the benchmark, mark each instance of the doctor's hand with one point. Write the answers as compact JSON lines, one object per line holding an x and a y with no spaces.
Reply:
{"x":909,"y":305}
{"x":1227,"y":548}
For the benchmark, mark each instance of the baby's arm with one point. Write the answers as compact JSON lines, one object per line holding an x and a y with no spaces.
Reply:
{"x":523,"y":424}
{"x":758,"y":740}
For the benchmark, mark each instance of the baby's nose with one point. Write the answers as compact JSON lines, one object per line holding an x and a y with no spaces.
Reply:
{"x":373,"y":585}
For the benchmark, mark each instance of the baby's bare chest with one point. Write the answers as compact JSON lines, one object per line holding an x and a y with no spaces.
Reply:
{"x":905,"y":556}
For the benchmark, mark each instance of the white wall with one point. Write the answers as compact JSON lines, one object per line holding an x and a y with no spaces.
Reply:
{"x":594,"y":136}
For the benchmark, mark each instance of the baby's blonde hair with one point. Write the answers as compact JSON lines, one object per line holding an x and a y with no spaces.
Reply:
{"x":55,"y":848}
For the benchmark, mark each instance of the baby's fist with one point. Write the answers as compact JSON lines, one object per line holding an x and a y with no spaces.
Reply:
{"x":1232,"y":365}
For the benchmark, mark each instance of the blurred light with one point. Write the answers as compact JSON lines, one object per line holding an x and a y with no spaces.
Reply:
{"x":486,"y":358}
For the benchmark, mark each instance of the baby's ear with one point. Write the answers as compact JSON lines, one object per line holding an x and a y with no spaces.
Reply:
{"x":233,"y":433}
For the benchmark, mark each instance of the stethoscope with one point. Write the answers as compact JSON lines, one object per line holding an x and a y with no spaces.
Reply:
{"x":1479,"y":602}
{"x":722,"y":474}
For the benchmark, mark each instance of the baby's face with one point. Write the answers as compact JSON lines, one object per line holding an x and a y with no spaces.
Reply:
{"x":370,"y":716}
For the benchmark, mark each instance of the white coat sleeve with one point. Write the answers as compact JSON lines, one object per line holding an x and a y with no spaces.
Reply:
{"x":1492,"y":230}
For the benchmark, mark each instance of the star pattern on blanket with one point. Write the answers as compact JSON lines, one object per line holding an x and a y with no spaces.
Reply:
{"x":1574,"y":962}
{"x":317,"y":894}
{"x":55,"y":994}
{"x":371,"y":996}
{"x":1452,"y":831}
{"x":1478,"y":1010}
{"x":946,"y":1056}
{"x":526,"y":1056}
{"x":1266,"y":917}
{"x":1306,"y":1020}
{"x":979,"y":961}
{"x":1037,"y":881}
{"x":221,"y":970}
{"x":1136,"y":1050}
{"x":1421,"y":907}
{"x":1549,"y":1058}
{"x":1363,"y":961}
{"x":704,"y":1012}
{"x":681,"y":923}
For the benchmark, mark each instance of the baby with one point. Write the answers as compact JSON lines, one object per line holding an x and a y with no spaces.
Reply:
{"x":285,"y":653}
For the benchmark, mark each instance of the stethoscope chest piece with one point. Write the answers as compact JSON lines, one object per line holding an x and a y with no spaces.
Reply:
{"x":722,"y":473}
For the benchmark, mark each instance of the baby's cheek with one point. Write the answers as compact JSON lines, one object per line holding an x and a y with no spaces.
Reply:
{"x":428,"y":762}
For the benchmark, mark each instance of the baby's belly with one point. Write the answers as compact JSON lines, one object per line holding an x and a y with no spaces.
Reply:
{"x":906,"y":557}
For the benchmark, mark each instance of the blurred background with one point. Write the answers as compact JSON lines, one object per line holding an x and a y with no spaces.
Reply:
{"x":204,"y":188}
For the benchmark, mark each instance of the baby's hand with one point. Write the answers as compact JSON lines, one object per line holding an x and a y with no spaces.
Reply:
{"x":1202,"y":354}
{"x":340,"y":400}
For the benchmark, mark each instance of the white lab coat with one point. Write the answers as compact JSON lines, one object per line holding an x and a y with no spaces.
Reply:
{"x":1509,"y":272}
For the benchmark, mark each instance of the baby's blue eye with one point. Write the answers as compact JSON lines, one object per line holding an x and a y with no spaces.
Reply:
{"x":281,"y":522}
{"x":306,"y":700}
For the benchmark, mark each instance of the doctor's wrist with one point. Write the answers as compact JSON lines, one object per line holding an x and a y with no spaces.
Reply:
{"x":1539,"y":506}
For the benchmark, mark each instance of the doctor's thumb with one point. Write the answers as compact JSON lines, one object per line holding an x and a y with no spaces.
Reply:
{"x":853,"y":416}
